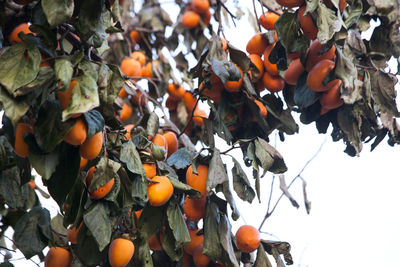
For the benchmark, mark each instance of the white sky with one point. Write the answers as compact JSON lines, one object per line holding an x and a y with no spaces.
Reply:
{"x":354,"y":219}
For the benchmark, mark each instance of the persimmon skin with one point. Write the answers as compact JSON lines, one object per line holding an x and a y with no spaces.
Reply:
{"x":172,"y":142}
{"x":78,"y":133}
{"x":120,"y":252}
{"x":272,"y":83}
{"x":314,"y":54}
{"x":72,"y":233}
{"x":125,"y":113}
{"x":65,"y":97}
{"x":171,"y":103}
{"x":199,"y":259}
{"x":318,"y":74}
{"x":91,"y":148}
{"x":139,"y":56}
{"x":247,"y":238}
{"x":190,"y":19}
{"x":195,"y":240}
{"x":135,"y":37}
{"x":58,"y":257}
{"x":263,"y":109}
{"x":259,"y":63}
{"x":290,"y":3}
{"x":198,"y":116}
{"x":23,"y":27}
{"x":20,"y":147}
{"x":269,"y":67}
{"x":102,"y":191}
{"x":189,"y":100}
{"x":176,"y":91}
{"x":257,"y":44}
{"x":268,"y":19}
{"x":307,"y":24}
{"x":234,"y":86}
{"x":194,"y":209}
{"x":293,"y":72}
{"x":331,"y":98}
{"x":154,"y":243}
{"x":197,"y":181}
{"x":159,"y":193}
{"x":200,"y":6}
{"x":130,"y":67}
{"x":150,"y":170}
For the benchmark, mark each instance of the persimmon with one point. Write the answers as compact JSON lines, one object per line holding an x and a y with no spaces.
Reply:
{"x":293,"y":72}
{"x":147,"y":70}
{"x":293,"y":56}
{"x":120,"y":252}
{"x":65,"y":97}
{"x":263,"y":109}
{"x":128,"y":129}
{"x":154,"y":243}
{"x":58,"y":257}
{"x":199,"y":259}
{"x":91,"y":148}
{"x":150,"y":170}
{"x":331,"y":98}
{"x":269,"y":67}
{"x":290,"y":3}
{"x":83,"y":163}
{"x":257,"y":44}
{"x":307,"y":24}
{"x":125,"y":113}
{"x":214,"y":93}
{"x":197,"y":181}
{"x":139,"y":56}
{"x":273,"y":83}
{"x":172,"y":142}
{"x":189,"y":100}
{"x":195,"y":241}
{"x":318,"y":74}
{"x":187,"y":259}
{"x":122,"y":93}
{"x":198,"y":116}
{"x":23,"y":27}
{"x":200,"y":6}
{"x":130,"y":67}
{"x":314,"y":54}
{"x":159,"y":193}
{"x":78,"y":133}
{"x":258,"y":62}
{"x":160,"y":140}
{"x":171,"y":103}
{"x":20,"y":147}
{"x":234,"y":86}
{"x":206,"y":17}
{"x":139,"y":98}
{"x":32,"y":184}
{"x":103,"y":190}
{"x":176,"y":91}
{"x":268,"y":19}
{"x":194,"y":209}
{"x":72,"y":233}
{"x":135,"y":37}
{"x":190,"y":19}
{"x":247,"y":238}
{"x":138,"y":213}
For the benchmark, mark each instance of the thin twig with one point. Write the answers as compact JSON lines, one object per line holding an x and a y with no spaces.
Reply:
{"x":255,"y":14}
{"x":6,"y":248}
{"x":278,"y":12}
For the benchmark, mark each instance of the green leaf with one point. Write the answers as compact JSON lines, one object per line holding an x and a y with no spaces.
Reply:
{"x":98,"y":222}
{"x":32,"y":232}
{"x":87,"y":250}
{"x":167,"y":170}
{"x":90,"y":21}
{"x":59,"y":232}
{"x":327,"y":22}
{"x":14,"y":109}
{"x":17,"y":68}
{"x":225,"y":237}
{"x":130,"y":156}
{"x":150,"y":220}
{"x":105,"y":171}
{"x":354,"y":15}
{"x":177,"y":225}
{"x":142,"y":254}
{"x":64,"y":70}
{"x":216,"y":171}
{"x":181,"y":158}
{"x":84,"y":96}
{"x":271,"y":160}
{"x":10,"y":188}
{"x":58,"y":11}
{"x":241,"y":183}
{"x":43,"y":80}
{"x":94,"y":121}
{"x":303,"y":96}
{"x":49,"y":130}
{"x":169,"y":246}
{"x":229,"y":198}
{"x":63,"y":179}
{"x":289,"y":34}
{"x":211,"y":246}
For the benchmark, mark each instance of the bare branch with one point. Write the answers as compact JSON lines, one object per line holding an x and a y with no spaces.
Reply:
{"x":285,"y":191}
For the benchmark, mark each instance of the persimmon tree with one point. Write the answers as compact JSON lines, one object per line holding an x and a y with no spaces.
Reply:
{"x":100,"y":100}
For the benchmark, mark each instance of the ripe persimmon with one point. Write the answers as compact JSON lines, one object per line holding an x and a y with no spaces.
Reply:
{"x":206,"y":17}
{"x":125,"y":113}
{"x":172,"y":142}
{"x":307,"y":24}
{"x":91,"y":148}
{"x":122,"y":93}
{"x":103,"y":190}
{"x":198,"y":116}
{"x":139,"y":56}
{"x":83,"y":163}
{"x":128,"y":129}
{"x":189,"y":100}
{"x":139,"y":98}
{"x":65,"y":97}
{"x":135,"y":37}
{"x":293,"y":56}
{"x":199,"y":259}
{"x":268,"y":19}
{"x":314,"y":54}
{"x":58,"y":257}
{"x":190,"y":19}
{"x":120,"y":252}
{"x":290,"y":3}
{"x":258,"y":62}
{"x":195,"y":241}
{"x":247,"y":238}
{"x":176,"y":91}
{"x":293,"y":72}
{"x":154,"y":243}
{"x":257,"y":44}
{"x":269,"y":67}
{"x":318,"y":74}
{"x":20,"y":147}
{"x":194,"y":209}
{"x":331,"y":98}
{"x":273,"y":83}
{"x":72,"y":233}
{"x":171,"y":104}
{"x":150,"y":170}
{"x":200,"y":6}
{"x":130,"y":67}
{"x":147,"y":70}
{"x":187,"y":259}
{"x":234,"y":86}
{"x":263,"y":109}
{"x":197,"y":181}
{"x":159,"y":193}
{"x":23,"y":27}
{"x":77,"y":134}
{"x":160,"y":140}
